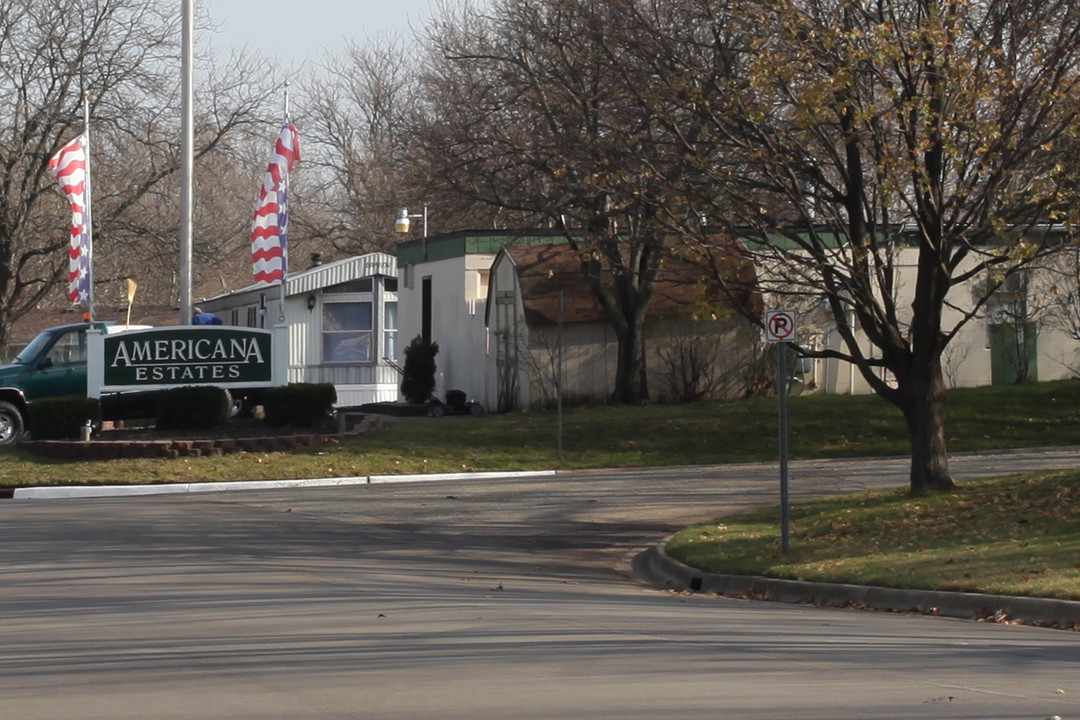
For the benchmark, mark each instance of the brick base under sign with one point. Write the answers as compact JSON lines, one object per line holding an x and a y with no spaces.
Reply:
{"x":133,"y":448}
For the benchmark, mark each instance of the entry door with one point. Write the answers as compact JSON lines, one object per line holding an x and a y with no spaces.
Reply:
{"x":1013,"y":353}
{"x":425,"y":309}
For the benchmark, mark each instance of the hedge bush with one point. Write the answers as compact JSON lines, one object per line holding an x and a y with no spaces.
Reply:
{"x":299,"y":404}
{"x":197,"y":407}
{"x":62,"y":417}
{"x":419,"y":377}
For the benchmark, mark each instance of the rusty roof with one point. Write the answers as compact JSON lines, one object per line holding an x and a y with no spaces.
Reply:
{"x":682,"y":288}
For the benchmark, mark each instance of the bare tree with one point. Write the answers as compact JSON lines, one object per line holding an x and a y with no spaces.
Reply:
{"x":535,"y":108}
{"x":362,"y":158}
{"x":354,"y":112}
{"x":857,"y":132}
{"x":123,"y":56}
{"x":138,"y":212}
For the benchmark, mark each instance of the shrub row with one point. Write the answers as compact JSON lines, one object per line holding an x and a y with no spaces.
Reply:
{"x":192,"y":408}
{"x":186,"y":408}
{"x":62,"y":417}
{"x":300,"y":404}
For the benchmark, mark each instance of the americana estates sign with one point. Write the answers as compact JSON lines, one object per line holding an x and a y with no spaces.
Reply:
{"x":185,"y":355}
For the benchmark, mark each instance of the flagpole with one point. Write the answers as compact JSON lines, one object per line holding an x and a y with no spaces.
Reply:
{"x":187,"y":143}
{"x":89,"y":211}
{"x":285,"y":249}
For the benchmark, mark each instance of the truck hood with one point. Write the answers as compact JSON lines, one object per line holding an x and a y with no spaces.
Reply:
{"x":10,"y":370}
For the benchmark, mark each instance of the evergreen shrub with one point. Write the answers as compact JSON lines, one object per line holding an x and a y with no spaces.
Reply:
{"x":299,"y":404}
{"x":62,"y":417}
{"x":195,"y":407}
{"x":418,"y":383}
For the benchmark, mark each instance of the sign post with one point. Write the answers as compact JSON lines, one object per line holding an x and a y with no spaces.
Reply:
{"x":780,"y":327}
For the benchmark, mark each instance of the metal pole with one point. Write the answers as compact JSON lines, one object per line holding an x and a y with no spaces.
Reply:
{"x":187,"y":155}
{"x":89,"y":192}
{"x":558,"y":381}
{"x":785,"y":515}
{"x":285,"y":246}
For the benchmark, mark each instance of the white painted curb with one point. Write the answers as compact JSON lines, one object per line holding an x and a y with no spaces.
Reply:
{"x":379,"y":479}
{"x":98,"y":491}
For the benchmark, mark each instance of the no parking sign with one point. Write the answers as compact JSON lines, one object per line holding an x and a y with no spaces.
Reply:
{"x":780,"y":328}
{"x":780,"y":325}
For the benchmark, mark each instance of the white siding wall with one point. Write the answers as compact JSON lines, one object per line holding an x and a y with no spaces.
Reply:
{"x":457,"y":321}
{"x":967,"y":359}
{"x":590,"y":359}
{"x":588,"y":363}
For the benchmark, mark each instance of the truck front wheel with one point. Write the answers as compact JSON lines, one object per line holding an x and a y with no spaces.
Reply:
{"x":11,"y":423}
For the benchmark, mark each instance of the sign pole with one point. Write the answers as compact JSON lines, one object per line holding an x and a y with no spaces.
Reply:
{"x":558,"y":381}
{"x":187,"y":158}
{"x":780,"y":326}
{"x":785,"y":512}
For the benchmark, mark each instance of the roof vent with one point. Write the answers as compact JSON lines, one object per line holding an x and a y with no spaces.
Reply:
{"x":316,"y":258}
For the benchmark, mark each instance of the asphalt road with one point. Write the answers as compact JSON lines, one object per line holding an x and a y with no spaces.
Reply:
{"x":476,"y":599}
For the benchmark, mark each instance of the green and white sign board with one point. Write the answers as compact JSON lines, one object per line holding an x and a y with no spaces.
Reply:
{"x":161,"y":358}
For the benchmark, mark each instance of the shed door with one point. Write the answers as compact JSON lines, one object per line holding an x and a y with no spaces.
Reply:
{"x":506,"y":358}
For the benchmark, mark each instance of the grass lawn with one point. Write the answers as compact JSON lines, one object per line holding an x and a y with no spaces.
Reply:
{"x":1018,"y":535}
{"x":1015,"y":536}
{"x":596,"y":437}
{"x":820,"y":426}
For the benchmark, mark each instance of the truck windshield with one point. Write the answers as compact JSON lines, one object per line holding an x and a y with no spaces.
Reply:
{"x":34,"y":349}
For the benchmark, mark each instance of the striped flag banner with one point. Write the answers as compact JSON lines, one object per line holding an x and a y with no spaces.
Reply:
{"x":70,"y":168}
{"x":270,"y":226}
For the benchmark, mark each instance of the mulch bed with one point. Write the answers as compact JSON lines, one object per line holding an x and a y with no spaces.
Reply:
{"x":239,"y":435}
{"x":235,"y":428}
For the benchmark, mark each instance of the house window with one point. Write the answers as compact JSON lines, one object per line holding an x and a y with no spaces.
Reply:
{"x":363,"y":285}
{"x":390,"y":330}
{"x":484,"y":278}
{"x":347,"y":332}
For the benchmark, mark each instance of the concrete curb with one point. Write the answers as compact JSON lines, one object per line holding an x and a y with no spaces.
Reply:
{"x":656,"y":568}
{"x":99,"y":491}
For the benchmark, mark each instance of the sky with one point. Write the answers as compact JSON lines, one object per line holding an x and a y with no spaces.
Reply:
{"x":303,"y":29}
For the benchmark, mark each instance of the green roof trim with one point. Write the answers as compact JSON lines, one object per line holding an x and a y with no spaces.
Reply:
{"x":469,"y":242}
{"x":474,"y":242}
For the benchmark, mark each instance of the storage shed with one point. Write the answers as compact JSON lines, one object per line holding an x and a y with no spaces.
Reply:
{"x":546,"y":323}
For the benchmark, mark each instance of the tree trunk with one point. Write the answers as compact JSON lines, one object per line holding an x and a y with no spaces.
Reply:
{"x":630,"y":369}
{"x":924,"y":411}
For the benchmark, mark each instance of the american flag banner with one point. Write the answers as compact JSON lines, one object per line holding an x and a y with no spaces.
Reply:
{"x":70,"y":167}
{"x":270,"y":227}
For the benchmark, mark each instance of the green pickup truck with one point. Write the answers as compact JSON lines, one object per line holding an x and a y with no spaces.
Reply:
{"x":137,"y":364}
{"x":54,"y":363}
